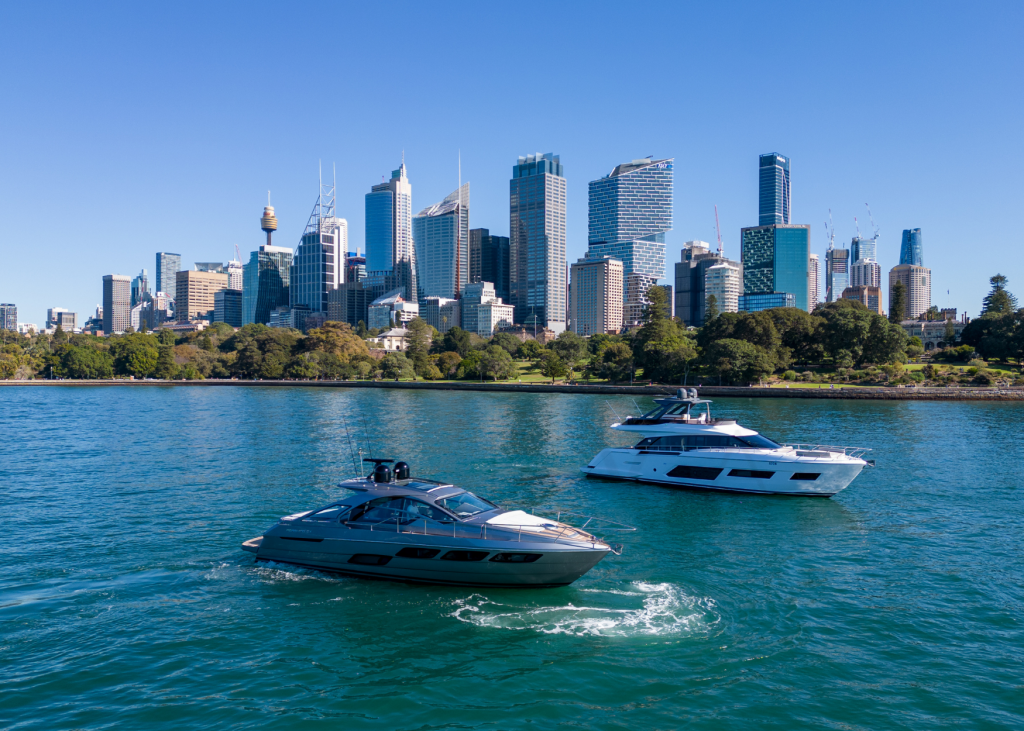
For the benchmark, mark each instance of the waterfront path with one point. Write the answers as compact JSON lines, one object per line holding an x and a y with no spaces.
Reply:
{"x":844,"y":392}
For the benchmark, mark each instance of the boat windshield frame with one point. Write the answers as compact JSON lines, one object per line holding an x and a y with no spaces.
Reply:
{"x":681,"y":409}
{"x":745,"y":442}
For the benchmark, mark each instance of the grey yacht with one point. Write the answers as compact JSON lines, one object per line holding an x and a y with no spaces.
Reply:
{"x":389,"y":525}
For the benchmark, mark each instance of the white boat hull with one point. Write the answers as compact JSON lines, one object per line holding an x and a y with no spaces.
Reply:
{"x":765,"y":472}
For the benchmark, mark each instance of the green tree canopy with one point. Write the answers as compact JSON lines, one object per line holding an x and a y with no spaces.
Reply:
{"x":998,"y":301}
{"x":897,"y":303}
{"x":457,"y":340}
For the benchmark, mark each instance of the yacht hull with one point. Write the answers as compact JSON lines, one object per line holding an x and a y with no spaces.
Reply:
{"x":764,"y":473}
{"x":558,"y":565}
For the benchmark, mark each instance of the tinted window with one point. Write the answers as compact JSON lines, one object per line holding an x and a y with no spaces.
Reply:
{"x":759,"y":474}
{"x":466,"y":504}
{"x":516,"y":557}
{"x":759,"y":442}
{"x":329,"y":513}
{"x":464,"y":556}
{"x":694,"y":473}
{"x":411,"y":552}
{"x":369,"y":559}
{"x":402,"y":509}
{"x":809,"y":476}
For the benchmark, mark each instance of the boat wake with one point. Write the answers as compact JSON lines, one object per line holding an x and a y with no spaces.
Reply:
{"x":664,"y":610}
{"x":272,"y":572}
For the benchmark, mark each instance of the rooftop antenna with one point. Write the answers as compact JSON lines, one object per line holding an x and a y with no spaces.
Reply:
{"x":718,"y":231}
{"x":458,"y":235}
{"x":872,"y":219}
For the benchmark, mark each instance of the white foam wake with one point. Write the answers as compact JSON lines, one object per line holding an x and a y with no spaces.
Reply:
{"x":665,"y":610}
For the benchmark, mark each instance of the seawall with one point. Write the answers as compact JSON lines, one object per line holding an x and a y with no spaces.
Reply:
{"x":877,"y":392}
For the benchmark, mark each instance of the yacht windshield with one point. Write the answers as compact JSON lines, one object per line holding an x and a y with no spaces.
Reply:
{"x":466,"y":504}
{"x":704,"y":441}
{"x":758,"y":442}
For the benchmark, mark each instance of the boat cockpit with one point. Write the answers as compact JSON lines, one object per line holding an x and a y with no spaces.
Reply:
{"x":685,"y":408}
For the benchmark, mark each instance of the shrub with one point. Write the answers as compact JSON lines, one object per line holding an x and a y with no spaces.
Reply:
{"x":789,"y":375}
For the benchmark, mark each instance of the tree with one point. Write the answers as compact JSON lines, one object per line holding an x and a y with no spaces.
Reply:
{"x":616,"y":362}
{"x":529,"y":350}
{"x":496,"y":362}
{"x":845,"y":328}
{"x":998,"y":301}
{"x":507,"y":341}
{"x":949,"y":335}
{"x":448,"y":363}
{"x":571,"y":348}
{"x":134,"y":354}
{"x":336,"y":338}
{"x":669,"y":360}
{"x":798,"y":332}
{"x":58,"y":335}
{"x":885,"y":343}
{"x":710,"y":309}
{"x":396,"y":365}
{"x":738,"y":361}
{"x":85,"y":363}
{"x":897,"y":303}
{"x":418,"y":341}
{"x":457,"y":340}
{"x":553,"y":367}
{"x":598,"y":342}
{"x":206,"y":342}
{"x":166,"y":368}
{"x":166,"y":336}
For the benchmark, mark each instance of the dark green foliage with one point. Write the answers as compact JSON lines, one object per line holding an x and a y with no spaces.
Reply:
{"x":529,"y":350}
{"x":165,"y":365}
{"x":961,"y":354}
{"x":457,"y":340}
{"x":396,"y":365}
{"x":897,"y":303}
{"x":496,"y":363}
{"x":165,"y":336}
{"x":507,"y":341}
{"x":739,"y":362}
{"x":448,"y":363}
{"x":998,"y":301}
{"x":552,"y":366}
{"x":418,"y":345}
{"x":571,"y":348}
{"x":710,"y":309}
{"x":598,"y":342}
{"x":616,"y":362}
{"x":134,"y":354}
{"x":79,"y":362}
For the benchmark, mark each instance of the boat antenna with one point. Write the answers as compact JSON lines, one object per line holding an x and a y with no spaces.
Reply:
{"x":637,"y":406}
{"x":366,"y":436}
{"x":614,"y":411}
{"x":351,"y":446}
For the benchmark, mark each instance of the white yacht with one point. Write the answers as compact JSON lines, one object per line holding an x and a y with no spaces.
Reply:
{"x":682,"y":445}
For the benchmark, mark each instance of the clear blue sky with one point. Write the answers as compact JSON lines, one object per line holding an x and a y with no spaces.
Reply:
{"x":136,"y":128}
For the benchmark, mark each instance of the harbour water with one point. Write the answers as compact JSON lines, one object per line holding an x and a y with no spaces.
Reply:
{"x":126,"y":602}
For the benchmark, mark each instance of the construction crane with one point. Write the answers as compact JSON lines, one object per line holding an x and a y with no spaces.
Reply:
{"x":718,"y":231}
{"x":855,"y":223}
{"x":238,"y":254}
{"x":830,"y":231}
{"x":872,"y":219}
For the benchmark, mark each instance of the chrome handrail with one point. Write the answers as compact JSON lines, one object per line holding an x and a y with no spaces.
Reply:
{"x":847,"y":451}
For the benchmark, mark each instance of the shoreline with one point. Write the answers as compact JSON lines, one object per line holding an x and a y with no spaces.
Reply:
{"x":852,"y":392}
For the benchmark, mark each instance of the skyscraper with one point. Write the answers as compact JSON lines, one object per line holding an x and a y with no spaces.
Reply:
{"x":863,"y":248}
{"x":266,"y":277}
{"x":776,"y":260}
{"x":167,"y":267}
{"x":912,"y":247}
{"x":196,"y":290}
{"x":774,"y":192}
{"x":597,"y":296}
{"x":482,"y":311}
{"x":814,"y":278}
{"x":140,"y":287}
{"x":389,"y":244}
{"x":691,"y":299}
{"x":917,"y":283}
{"x":236,"y":275}
{"x":537,"y":241}
{"x":9,"y":317}
{"x":440,"y":236}
{"x":866,"y":273}
{"x":318,"y":264}
{"x":489,"y":260}
{"x":227,"y":307}
{"x":724,"y":282}
{"x":630,"y":209}
{"x":837,"y":273}
{"x":117,"y":303}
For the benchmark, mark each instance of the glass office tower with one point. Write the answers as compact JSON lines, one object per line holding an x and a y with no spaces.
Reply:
{"x":265,"y":283}
{"x":912,"y":248}
{"x":862,"y":248}
{"x":630,"y":209}
{"x":776,"y":259}
{"x":774,"y":193}
{"x":389,"y":243}
{"x":318,"y":265}
{"x":537,"y":241}
{"x":837,"y":273}
{"x":489,"y":260}
{"x":440,"y":235}
{"x":167,"y":267}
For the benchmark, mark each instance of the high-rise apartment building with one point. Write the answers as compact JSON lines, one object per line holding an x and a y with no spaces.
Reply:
{"x":869,"y":296}
{"x":196,"y":292}
{"x":55,"y":316}
{"x":537,"y":275}
{"x":167,"y":267}
{"x":691,"y":300}
{"x":318,"y":265}
{"x":483,"y":311}
{"x":917,"y":283}
{"x":912,"y":247}
{"x":440,"y":235}
{"x":355,"y":267}
{"x":236,"y":275}
{"x":350,"y":303}
{"x":596,"y":296}
{"x":630,"y":210}
{"x":489,"y":260}
{"x":837,"y":273}
{"x":774,"y":190}
{"x":636,"y":299}
{"x":776,"y":260}
{"x":9,"y":317}
{"x":724,"y":282}
{"x":865,"y":273}
{"x":227,"y":307}
{"x":117,"y":303}
{"x":389,"y":243}
{"x":814,"y":279}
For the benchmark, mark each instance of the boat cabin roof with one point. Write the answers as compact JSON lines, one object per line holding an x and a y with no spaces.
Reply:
{"x":419,"y":486}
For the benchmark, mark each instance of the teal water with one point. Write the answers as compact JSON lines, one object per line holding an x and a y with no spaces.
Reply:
{"x":125,"y":601}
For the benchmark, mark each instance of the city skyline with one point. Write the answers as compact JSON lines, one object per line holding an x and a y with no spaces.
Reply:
{"x":208,"y":149}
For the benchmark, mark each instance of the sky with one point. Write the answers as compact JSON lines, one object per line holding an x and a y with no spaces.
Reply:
{"x":134,"y":128}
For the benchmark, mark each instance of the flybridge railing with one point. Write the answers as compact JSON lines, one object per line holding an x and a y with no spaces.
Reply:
{"x":824,"y":450}
{"x":407,"y":522}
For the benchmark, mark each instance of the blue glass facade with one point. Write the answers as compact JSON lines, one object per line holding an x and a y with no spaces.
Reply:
{"x":837,"y":273}
{"x":776,"y":259}
{"x":861,"y":248}
{"x":537,"y":241}
{"x":265,"y":283}
{"x":379,"y":229}
{"x":389,"y":242}
{"x":912,"y":248}
{"x":630,"y":210}
{"x":774,"y":194}
{"x":767,"y":301}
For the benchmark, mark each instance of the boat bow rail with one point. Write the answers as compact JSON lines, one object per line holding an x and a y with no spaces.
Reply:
{"x":827,"y":450}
